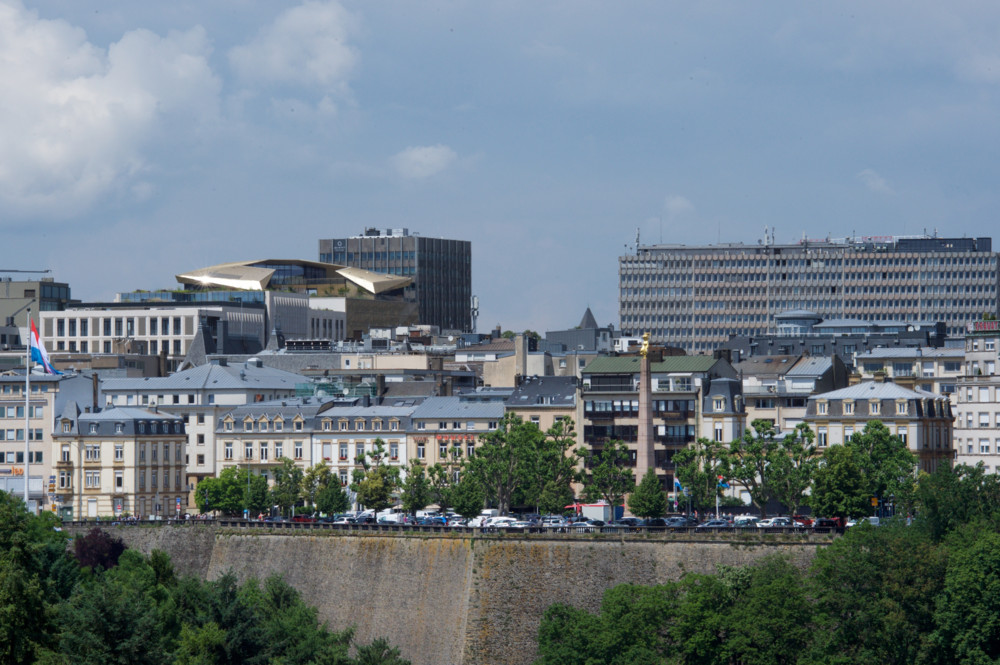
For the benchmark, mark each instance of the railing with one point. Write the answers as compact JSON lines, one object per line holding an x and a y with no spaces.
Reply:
{"x":559,"y":530}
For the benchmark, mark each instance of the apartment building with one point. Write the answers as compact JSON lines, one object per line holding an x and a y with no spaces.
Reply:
{"x":692,"y":396}
{"x":119,"y":461}
{"x":977,"y":419}
{"x":924,"y":421}
{"x":777,"y":388}
{"x":931,"y":370}
{"x":695,"y":297}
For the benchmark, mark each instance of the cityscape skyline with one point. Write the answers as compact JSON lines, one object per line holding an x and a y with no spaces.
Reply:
{"x":146,"y":139}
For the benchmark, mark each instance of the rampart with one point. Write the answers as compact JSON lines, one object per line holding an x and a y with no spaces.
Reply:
{"x":453,"y":598}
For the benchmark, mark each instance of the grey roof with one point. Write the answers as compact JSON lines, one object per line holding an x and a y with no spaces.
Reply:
{"x":121,"y":413}
{"x":244,"y":376}
{"x":288,"y":408}
{"x":544,"y":391}
{"x":105,"y":422}
{"x":844,"y":323}
{"x":811,"y":366}
{"x":911,"y":352}
{"x":797,"y":314}
{"x":876,"y":390}
{"x":766,"y":365}
{"x":588,"y":322}
{"x":458,"y":409}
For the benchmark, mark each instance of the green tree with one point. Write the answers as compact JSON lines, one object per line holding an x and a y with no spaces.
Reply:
{"x":610,"y":477}
{"x":332,"y":499}
{"x":793,"y":467}
{"x":952,"y":497}
{"x":468,"y":497}
{"x":556,"y":468}
{"x":234,"y":489}
{"x":888,"y":466}
{"x":698,"y":469}
{"x":750,"y":461}
{"x":287,"y":485}
{"x":315,"y":479}
{"x":648,"y":499}
{"x":441,"y":477}
{"x":376,"y":482}
{"x":839,"y":490}
{"x":966,"y":617}
{"x":416,"y":488}
{"x":506,"y":457}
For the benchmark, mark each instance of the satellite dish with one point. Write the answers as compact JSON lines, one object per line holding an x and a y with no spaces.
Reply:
{"x":451,"y":338}
{"x":347,"y":391}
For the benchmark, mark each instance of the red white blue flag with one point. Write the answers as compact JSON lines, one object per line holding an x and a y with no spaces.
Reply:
{"x":38,"y":354}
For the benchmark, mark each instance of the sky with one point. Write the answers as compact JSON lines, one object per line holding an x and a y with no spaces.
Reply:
{"x":139,"y":140}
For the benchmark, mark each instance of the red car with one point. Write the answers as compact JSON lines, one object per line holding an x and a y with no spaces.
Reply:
{"x":303,"y":518}
{"x":803,"y":520}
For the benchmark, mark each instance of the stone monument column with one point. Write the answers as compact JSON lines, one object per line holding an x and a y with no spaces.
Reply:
{"x":645,"y":457}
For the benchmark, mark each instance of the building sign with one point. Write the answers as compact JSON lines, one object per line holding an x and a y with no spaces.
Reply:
{"x":984,"y":326}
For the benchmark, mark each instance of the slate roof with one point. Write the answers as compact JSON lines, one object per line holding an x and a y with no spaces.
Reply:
{"x":811,"y":366}
{"x":544,"y":391}
{"x":454,"y":408}
{"x":129,"y":417}
{"x":876,"y":390}
{"x":244,"y":376}
{"x":588,"y":322}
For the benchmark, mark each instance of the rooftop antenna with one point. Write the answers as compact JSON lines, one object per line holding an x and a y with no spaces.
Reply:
{"x":637,"y":241}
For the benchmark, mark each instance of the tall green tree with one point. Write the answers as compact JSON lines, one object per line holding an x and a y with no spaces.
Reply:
{"x":839,"y":490}
{"x":332,"y":499}
{"x":233,"y":490}
{"x":556,"y":468}
{"x":441,"y":477}
{"x":610,"y":475}
{"x":951,"y":497}
{"x":504,"y":459}
{"x":315,"y":479}
{"x":967,"y":630}
{"x":416,"y":488}
{"x":699,"y":466}
{"x":376,"y":481}
{"x":648,"y":499}
{"x":287,"y":486}
{"x":793,"y":467}
{"x":887,"y":464}
{"x":751,"y":461}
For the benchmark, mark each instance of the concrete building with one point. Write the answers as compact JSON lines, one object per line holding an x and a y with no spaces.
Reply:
{"x":119,"y":461}
{"x":441,"y":424}
{"x":924,"y":421}
{"x":696,"y":297}
{"x":48,"y":397}
{"x":441,"y":270}
{"x":931,"y":370}
{"x":43,"y":295}
{"x":682,"y":386}
{"x":977,"y":419}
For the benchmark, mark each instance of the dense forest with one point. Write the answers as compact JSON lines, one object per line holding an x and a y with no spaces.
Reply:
{"x":925,"y":590}
{"x":99,"y":603}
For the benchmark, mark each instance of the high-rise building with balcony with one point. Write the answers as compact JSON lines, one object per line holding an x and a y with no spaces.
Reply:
{"x":441,"y":270}
{"x":695,"y":297}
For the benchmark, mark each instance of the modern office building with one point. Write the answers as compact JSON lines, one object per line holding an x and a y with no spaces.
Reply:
{"x":695,"y":297}
{"x":441,"y":270}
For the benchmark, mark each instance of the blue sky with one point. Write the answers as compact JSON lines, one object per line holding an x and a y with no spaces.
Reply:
{"x":141,"y":140}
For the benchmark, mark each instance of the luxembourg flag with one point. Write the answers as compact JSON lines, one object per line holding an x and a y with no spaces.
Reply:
{"x":38,"y":354}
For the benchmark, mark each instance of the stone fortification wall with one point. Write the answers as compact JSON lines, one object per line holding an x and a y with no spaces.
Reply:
{"x":452,"y":598}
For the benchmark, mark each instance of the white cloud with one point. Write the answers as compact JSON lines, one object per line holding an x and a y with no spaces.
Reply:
{"x":875,"y":182}
{"x":306,"y":46}
{"x":76,"y":117}
{"x":423,"y":161}
{"x":675,"y":206}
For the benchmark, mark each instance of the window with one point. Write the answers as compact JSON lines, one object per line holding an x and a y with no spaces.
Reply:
{"x":65,"y":480}
{"x":901,"y":432}
{"x":64,"y":453}
{"x":327,"y":425}
{"x":248,"y":450}
{"x":984,"y":446}
{"x":984,"y":419}
{"x":442,"y":450}
{"x":92,"y":480}
{"x":718,"y":432}
{"x":298,"y":450}
{"x":343,"y":425}
{"x":821,"y":437}
{"x":228,"y":450}
{"x":848,"y":432}
{"x":119,"y":452}
{"x":377,"y":425}
{"x":470,"y":448}
{"x":901,"y":408}
{"x":262,"y":425}
{"x":394,"y":450}
{"x":247,"y":425}
{"x":420,"y":425}
{"x":343,"y":451}
{"x":821,"y":408}
{"x":393,"y":425}
{"x":153,"y":479}
{"x":92,"y":452}
{"x":279,"y":425}
{"x":848,"y":408}
{"x":154,"y":450}
{"x":491,"y":425}
{"x":874,"y":407}
{"x":359,"y":425}
{"x":420,"y":451}
{"x":142,"y":452}
{"x":359,"y":451}
{"x":228,"y":426}
{"x":201,"y":460}
{"x":279,"y":449}
{"x":298,"y":425}
{"x":343,"y":477}
{"x":201,"y":418}
{"x":264,"y":449}
{"x":119,"y":480}
{"x":201,"y":439}
{"x":719,"y":404}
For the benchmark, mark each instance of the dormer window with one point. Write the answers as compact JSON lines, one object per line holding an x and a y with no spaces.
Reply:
{"x":93,"y":428}
{"x":359,"y":425}
{"x":874,"y":408}
{"x":719,"y":404}
{"x":821,"y":408}
{"x":279,"y":425}
{"x":327,"y":425}
{"x":247,"y":425}
{"x":67,"y":427}
{"x":848,"y":408}
{"x":142,"y":428}
{"x":901,"y":408}
{"x":343,"y":425}
{"x":119,"y":428}
{"x":262,"y":425}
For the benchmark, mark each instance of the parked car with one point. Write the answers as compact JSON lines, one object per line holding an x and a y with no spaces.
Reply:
{"x":587,"y":526}
{"x":304,"y":518}
{"x":770,"y":522}
{"x":803,"y":520}
{"x":715,"y":524}
{"x":745,"y":521}
{"x":656,"y":523}
{"x":826,"y":523}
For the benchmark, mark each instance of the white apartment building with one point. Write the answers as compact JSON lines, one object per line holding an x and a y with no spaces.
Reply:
{"x":977,"y":421}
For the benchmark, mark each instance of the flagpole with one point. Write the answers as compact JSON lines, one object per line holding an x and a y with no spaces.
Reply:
{"x":27,"y":405}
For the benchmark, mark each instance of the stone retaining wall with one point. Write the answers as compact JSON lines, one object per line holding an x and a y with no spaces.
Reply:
{"x":449,"y":599}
